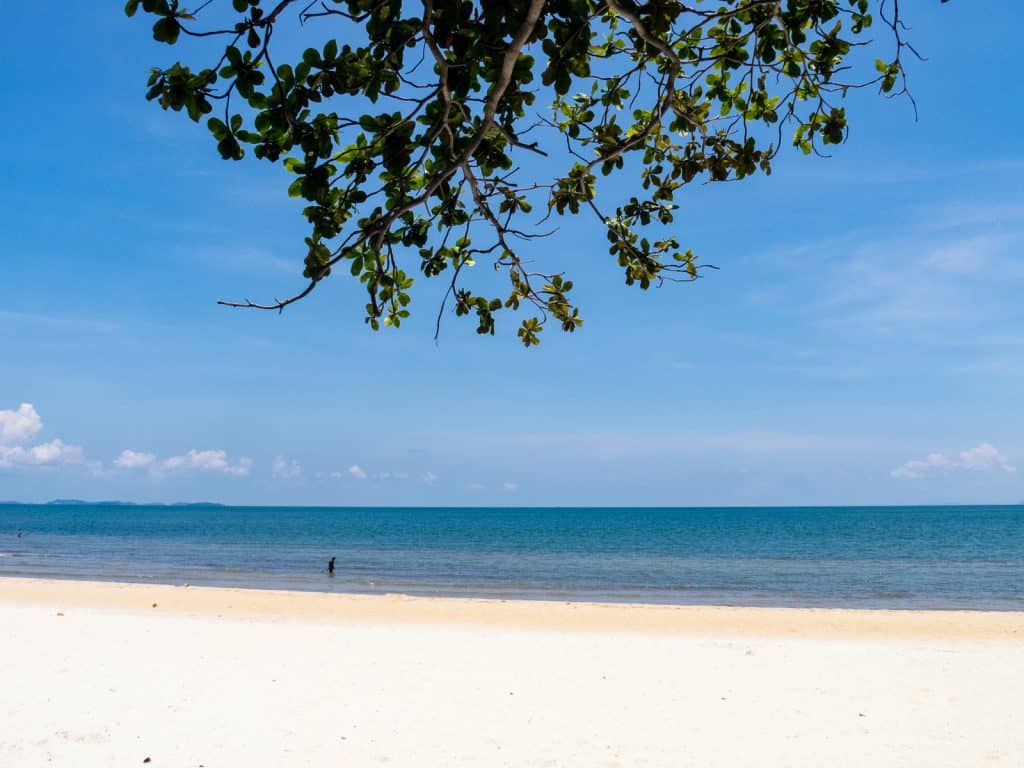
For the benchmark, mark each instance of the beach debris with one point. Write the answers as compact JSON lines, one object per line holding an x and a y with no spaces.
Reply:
{"x":60,"y":613}
{"x":148,"y":760}
{"x":154,"y":605}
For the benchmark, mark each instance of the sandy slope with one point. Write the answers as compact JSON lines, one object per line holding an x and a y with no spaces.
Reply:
{"x":236,"y":678}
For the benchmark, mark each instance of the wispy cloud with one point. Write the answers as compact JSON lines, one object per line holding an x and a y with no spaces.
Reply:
{"x":359,"y":473}
{"x":959,"y":213}
{"x":208,"y":461}
{"x":244,"y":258}
{"x":968,"y":255}
{"x":900,"y":287}
{"x":129,"y":459}
{"x":918,"y":174}
{"x":67,"y":323}
{"x":628,"y":444}
{"x":285,"y":469}
{"x":943,"y":275}
{"x":983,"y":458}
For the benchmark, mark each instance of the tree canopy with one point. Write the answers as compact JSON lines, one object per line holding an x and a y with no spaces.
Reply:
{"x":425,"y":137}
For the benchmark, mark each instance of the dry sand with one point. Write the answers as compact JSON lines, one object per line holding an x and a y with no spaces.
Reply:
{"x":95,"y":675}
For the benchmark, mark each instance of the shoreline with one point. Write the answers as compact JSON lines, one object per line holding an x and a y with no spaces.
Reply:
{"x":561,"y":615}
{"x":381,"y":587}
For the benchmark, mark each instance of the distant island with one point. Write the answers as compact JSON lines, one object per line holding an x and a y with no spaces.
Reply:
{"x":82,"y":503}
{"x":115,"y":503}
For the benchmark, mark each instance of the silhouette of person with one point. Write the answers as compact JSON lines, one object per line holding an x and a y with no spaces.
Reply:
{"x":330,"y":567}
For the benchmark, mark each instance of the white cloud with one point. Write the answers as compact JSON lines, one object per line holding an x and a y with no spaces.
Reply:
{"x":11,"y":456}
{"x":359,"y":473}
{"x":53,"y":452}
{"x":208,"y":461}
{"x":285,"y":469}
{"x":983,"y":458}
{"x":134,"y":459}
{"x":17,"y":426}
{"x":510,"y":487}
{"x":429,"y":478}
{"x":916,"y":467}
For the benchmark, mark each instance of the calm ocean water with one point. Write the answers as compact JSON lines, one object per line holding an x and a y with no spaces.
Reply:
{"x":893,"y":557}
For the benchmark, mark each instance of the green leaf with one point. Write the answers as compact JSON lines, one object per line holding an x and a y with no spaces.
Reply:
{"x":217,"y":128}
{"x":166,"y":30}
{"x":428,"y":182}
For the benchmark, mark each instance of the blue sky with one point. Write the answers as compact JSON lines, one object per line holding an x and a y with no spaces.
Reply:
{"x":863,"y":341}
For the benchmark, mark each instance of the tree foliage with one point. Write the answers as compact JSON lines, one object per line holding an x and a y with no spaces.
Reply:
{"x":427,"y":136}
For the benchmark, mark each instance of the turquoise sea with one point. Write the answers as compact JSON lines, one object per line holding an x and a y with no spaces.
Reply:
{"x":892,"y":557}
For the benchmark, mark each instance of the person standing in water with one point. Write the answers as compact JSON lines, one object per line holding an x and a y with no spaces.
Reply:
{"x":330,"y":567}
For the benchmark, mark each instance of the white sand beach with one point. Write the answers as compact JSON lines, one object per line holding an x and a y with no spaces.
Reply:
{"x":97,"y":675}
